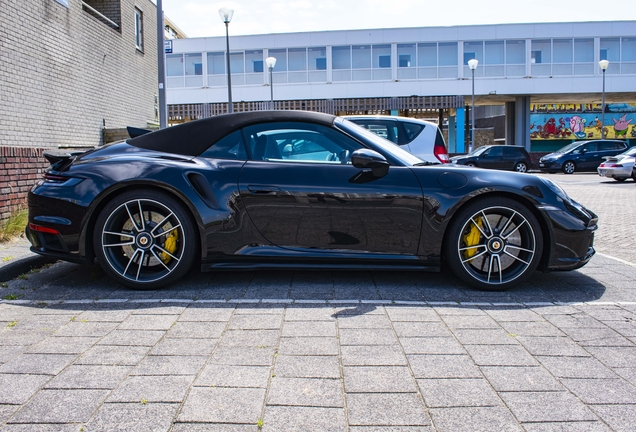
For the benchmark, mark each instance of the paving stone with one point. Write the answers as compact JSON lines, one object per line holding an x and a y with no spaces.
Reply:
{"x":31,"y":427}
{"x":501,"y":355}
{"x":205,"y":312}
{"x":309,"y":329}
{"x":307,"y":366}
{"x":154,"y":389}
{"x":234,"y":376}
{"x":513,"y":313}
{"x":628,"y":374}
{"x":369,"y":321}
{"x":60,"y":406}
{"x":477,"y":419}
{"x":243,"y":356}
{"x":444,"y":393}
{"x":108,"y":355}
{"x":434,"y":345}
{"x":150,"y":309}
{"x":603,"y":391}
{"x":196,"y":330}
{"x":391,"y":429}
{"x":459,"y":310}
{"x":303,"y":419}
{"x":89,"y":377}
{"x":148,"y":322}
{"x":216,"y":427}
{"x":350,"y":336}
{"x":63,"y":345}
{"x":485,"y":337}
{"x":183,"y":346}
{"x":618,"y":417}
{"x":586,"y":426}
{"x":577,"y":320}
{"x":386,"y":409}
{"x":505,"y":378}
{"x":170,"y":365}
{"x":542,"y":328}
{"x":358,"y":310}
{"x":378,"y":379}
{"x":6,"y":411}
{"x":18,"y":388}
{"x":249,"y":338}
{"x":128,"y":417}
{"x":132,"y":337}
{"x":421,"y":329}
{"x":470,"y":322}
{"x":546,"y":407}
{"x":402,"y":313}
{"x":309,"y":313}
{"x":443,"y":366}
{"x":379,"y":355}
{"x":256,"y":322}
{"x":9,"y":352}
{"x":37,"y":364}
{"x":596,"y":336}
{"x":305,"y":392}
{"x":86,"y":329}
{"x":223,"y":405}
{"x":308,"y":346}
{"x":552,"y":346}
{"x":576,"y":367}
{"x":112,"y":314}
{"x":17,"y":337}
{"x":615,"y":357}
{"x":627,"y":327}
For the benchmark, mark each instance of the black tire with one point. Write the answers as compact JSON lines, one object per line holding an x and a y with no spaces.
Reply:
{"x":569,"y":167}
{"x":620,"y":179}
{"x":521,"y":167}
{"x":149,"y":252}
{"x":493,"y":244}
{"x":471,"y":164}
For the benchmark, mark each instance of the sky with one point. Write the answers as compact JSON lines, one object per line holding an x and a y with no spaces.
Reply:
{"x":200,"y":18}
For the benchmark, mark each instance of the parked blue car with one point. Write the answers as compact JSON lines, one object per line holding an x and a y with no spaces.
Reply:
{"x":581,"y":156}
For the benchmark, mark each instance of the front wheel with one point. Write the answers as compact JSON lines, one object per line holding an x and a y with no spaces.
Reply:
{"x":569,"y":167}
{"x":494,"y":244}
{"x":521,"y":167}
{"x":144,"y":239}
{"x":471,"y":164}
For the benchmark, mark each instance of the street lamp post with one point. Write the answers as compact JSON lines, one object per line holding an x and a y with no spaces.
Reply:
{"x":603,"y":65}
{"x":271,"y":62}
{"x":472,"y":64}
{"x":226,"y":16}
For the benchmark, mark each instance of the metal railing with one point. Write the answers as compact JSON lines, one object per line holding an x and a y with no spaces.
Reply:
{"x":99,"y":14}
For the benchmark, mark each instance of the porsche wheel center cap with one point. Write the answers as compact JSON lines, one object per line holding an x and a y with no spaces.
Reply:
{"x":495,"y":245}
{"x":144,"y":240}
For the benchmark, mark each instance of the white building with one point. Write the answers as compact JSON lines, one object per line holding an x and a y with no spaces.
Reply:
{"x":409,"y":71}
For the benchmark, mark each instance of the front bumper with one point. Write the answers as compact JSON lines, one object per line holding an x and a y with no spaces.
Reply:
{"x":549,"y":166}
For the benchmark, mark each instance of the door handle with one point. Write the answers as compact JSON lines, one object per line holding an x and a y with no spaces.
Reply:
{"x":262,"y":189}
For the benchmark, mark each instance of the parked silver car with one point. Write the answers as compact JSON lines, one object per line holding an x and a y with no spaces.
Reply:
{"x":420,"y":138}
{"x":619,"y":167}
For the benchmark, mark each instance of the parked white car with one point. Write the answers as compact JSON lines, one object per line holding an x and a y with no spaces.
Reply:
{"x":420,"y":138}
{"x":619,"y":167}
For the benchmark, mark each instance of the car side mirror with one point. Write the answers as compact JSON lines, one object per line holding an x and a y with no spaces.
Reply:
{"x":583,"y":151}
{"x":370,"y":159}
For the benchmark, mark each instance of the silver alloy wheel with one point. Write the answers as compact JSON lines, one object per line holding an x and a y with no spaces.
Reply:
{"x":569,"y":167}
{"x":496,"y":245}
{"x":521,"y":167}
{"x":143,"y":240}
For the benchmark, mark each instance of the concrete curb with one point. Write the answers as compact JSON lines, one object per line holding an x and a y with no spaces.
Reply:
{"x":14,"y":269}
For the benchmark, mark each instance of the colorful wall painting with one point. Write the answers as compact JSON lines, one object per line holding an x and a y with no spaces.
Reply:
{"x":582,"y":121}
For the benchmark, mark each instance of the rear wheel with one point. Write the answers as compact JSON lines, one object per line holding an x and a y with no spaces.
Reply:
{"x":144,"y":239}
{"x":471,"y":164}
{"x":619,"y":179}
{"x":521,"y":167}
{"x":494,"y":244}
{"x":569,"y":167}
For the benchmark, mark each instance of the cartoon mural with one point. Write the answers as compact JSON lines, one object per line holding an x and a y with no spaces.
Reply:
{"x":582,"y":121}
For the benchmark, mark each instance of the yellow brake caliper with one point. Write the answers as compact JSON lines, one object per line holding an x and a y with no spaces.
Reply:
{"x":472,"y":238}
{"x":170,"y":245}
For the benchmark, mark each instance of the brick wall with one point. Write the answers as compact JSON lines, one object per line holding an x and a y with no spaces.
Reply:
{"x":20,"y":168}
{"x":65,"y":74}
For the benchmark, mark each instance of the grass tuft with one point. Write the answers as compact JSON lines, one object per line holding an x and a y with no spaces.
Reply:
{"x":14,"y":226}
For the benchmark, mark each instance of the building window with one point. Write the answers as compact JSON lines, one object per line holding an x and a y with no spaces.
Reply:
{"x":494,"y":58}
{"x":254,"y":67}
{"x":341,"y":63}
{"x":562,"y":57}
{"x":106,"y":11}
{"x":583,"y":56}
{"x":317,"y":64}
{"x":216,"y":69}
{"x":515,"y":58}
{"x":474,"y":50}
{"x":63,"y":2}
{"x":139,"y":30}
{"x":628,"y":56}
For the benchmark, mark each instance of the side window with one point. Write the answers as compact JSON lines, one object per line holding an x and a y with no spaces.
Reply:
{"x":412,"y":130}
{"x":299,"y":142}
{"x":382,"y":128}
{"x":589,"y":147}
{"x":494,"y":152}
{"x":229,"y":147}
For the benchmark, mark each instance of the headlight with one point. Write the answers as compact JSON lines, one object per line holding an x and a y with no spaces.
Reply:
{"x":558,"y":190}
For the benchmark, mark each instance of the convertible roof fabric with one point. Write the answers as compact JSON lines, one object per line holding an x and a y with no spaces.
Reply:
{"x":193,"y":138}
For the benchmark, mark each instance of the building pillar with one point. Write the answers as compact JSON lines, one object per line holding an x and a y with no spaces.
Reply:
{"x":522,"y":122}
{"x":460,"y":142}
{"x":510,"y":123}
{"x":452,"y":136}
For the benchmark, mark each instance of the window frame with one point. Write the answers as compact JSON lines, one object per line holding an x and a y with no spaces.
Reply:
{"x":139,"y":30}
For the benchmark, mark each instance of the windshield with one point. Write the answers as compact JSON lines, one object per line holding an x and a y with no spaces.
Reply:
{"x":568,"y":147}
{"x":478,"y":151}
{"x":629,"y":152}
{"x":387,"y":147}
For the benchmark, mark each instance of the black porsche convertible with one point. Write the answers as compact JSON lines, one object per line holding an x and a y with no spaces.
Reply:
{"x":297,"y":190}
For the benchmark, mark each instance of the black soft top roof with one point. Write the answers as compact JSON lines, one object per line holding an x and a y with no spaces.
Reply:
{"x":193,"y":138}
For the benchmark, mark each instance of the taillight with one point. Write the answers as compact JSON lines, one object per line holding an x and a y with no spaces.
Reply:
{"x":40,"y":228}
{"x":440,"y":153}
{"x":611,"y":165}
{"x":54,"y":178}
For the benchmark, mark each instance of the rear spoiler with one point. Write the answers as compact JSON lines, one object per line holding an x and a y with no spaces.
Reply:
{"x":134,"y":132}
{"x":60,"y":161}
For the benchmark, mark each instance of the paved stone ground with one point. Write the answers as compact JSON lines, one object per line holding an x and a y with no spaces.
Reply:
{"x":325,"y":351}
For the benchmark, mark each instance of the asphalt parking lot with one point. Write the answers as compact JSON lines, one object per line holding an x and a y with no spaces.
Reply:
{"x":330,"y":351}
